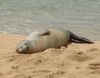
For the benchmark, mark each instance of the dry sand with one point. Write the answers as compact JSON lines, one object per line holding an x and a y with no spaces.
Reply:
{"x":75,"y":61}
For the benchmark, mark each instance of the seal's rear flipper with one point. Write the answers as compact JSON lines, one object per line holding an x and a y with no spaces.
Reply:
{"x":78,"y":39}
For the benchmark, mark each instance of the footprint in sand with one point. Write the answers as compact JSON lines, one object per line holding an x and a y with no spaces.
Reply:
{"x":41,"y":71}
{"x":93,"y":49}
{"x":32,"y":74}
{"x":80,"y":57}
{"x":1,"y":75}
{"x":10,"y":58}
{"x":95,"y":67}
{"x":55,"y":74}
{"x":15,"y":66}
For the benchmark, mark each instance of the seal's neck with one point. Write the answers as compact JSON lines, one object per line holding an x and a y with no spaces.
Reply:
{"x":31,"y":46}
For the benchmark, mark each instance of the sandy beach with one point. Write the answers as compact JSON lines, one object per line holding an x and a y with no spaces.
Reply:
{"x":74,"y":61}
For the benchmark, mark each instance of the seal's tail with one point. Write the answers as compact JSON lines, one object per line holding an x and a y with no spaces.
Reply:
{"x":79,"y":39}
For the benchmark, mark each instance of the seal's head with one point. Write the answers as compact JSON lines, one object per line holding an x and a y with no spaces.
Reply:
{"x":23,"y":47}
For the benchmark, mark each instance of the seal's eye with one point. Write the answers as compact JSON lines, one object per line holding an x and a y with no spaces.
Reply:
{"x":25,"y":43}
{"x":21,"y":47}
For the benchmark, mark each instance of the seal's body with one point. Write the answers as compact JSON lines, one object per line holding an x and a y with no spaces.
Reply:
{"x":43,"y":39}
{"x":54,"y":39}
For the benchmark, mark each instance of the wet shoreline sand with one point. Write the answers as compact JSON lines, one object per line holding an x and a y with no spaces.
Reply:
{"x":75,"y":61}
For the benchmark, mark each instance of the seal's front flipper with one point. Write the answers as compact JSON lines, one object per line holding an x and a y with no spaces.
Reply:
{"x":43,"y":32}
{"x":78,"y":39}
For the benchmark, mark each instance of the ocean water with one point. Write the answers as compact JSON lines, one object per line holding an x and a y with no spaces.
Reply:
{"x":23,"y":16}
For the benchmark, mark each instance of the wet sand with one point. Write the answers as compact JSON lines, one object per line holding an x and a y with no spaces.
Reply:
{"x":75,"y":61}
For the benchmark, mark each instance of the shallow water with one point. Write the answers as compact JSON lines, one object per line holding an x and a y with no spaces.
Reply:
{"x":79,"y":16}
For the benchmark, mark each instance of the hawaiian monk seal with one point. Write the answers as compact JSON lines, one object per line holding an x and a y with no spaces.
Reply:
{"x":45,"y":38}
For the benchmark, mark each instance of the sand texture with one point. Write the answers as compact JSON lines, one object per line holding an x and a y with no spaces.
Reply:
{"x":75,"y":61}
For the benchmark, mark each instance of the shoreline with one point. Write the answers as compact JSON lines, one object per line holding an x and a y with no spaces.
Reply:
{"x":75,"y":61}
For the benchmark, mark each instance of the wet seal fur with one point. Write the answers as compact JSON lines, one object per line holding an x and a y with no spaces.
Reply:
{"x":45,"y":38}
